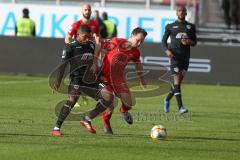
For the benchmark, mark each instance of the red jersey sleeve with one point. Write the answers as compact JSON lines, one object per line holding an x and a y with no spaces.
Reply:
{"x":136,"y":56}
{"x":97,"y":29}
{"x":73,"y":29}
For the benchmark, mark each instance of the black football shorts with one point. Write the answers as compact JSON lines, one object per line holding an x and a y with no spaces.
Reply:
{"x":178,"y":66}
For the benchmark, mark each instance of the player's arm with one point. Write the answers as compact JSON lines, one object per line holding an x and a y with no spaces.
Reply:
{"x":192,"y":38}
{"x":68,"y":38}
{"x":65,"y":56}
{"x":98,"y":30}
{"x":96,"y":38}
{"x":97,"y":51}
{"x":70,"y":33}
{"x":139,"y":70}
{"x":166,"y":35}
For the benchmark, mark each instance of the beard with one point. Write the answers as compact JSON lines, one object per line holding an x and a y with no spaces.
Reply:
{"x":182,"y":18}
{"x":86,"y":16}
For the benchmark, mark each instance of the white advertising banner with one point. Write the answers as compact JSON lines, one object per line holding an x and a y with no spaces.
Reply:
{"x":55,"y":21}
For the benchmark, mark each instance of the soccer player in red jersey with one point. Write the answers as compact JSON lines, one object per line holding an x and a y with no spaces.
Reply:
{"x":86,"y":14}
{"x":118,"y":53}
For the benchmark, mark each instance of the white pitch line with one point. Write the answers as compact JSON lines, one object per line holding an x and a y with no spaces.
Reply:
{"x":22,"y":82}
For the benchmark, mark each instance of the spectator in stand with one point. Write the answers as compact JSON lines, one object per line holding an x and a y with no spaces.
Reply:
{"x":226,"y":9}
{"x":25,"y":26}
{"x":230,"y":8}
{"x":102,"y":26}
{"x":111,"y":27}
{"x":234,"y":12}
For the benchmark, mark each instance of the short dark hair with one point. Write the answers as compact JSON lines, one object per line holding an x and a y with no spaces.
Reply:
{"x":96,"y":11}
{"x":181,"y":6}
{"x":84,"y":29}
{"x":139,"y":30}
{"x":25,"y":11}
{"x":104,"y":16}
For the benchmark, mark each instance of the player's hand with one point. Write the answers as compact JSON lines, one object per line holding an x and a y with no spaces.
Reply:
{"x":186,"y":41}
{"x":97,"y":38}
{"x":94,"y":68}
{"x":169,"y":54}
{"x":56,"y":87}
{"x":143,"y":83}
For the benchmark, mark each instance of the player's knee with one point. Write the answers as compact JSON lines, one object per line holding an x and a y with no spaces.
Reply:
{"x":73,"y":99}
{"x":177,"y":89}
{"x":69,"y":104}
{"x":108,"y":99}
{"x":132,"y":103}
{"x":129,"y":104}
{"x":128,"y":107}
{"x":110,"y":108}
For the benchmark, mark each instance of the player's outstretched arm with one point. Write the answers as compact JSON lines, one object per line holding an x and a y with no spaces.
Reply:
{"x":65,"y":56}
{"x":59,"y":77}
{"x":192,"y":40}
{"x":193,"y":36}
{"x":139,"y":70}
{"x":68,"y":38}
{"x":166,"y":34}
{"x":98,"y":48}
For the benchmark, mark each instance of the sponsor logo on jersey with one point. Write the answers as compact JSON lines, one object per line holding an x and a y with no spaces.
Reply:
{"x":88,"y":54}
{"x":181,"y":35}
{"x":175,"y":27}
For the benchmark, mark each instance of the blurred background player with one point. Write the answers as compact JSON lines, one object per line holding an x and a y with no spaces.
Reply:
{"x":234,"y":12}
{"x":86,"y":15}
{"x":111,"y":27}
{"x":183,"y":35}
{"x":102,"y":27}
{"x":119,"y":52}
{"x":80,"y":52}
{"x":226,"y":9}
{"x":25,"y":26}
{"x":231,"y":16}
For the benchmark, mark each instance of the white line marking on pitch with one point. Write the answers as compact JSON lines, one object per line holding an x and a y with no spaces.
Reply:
{"x":22,"y":82}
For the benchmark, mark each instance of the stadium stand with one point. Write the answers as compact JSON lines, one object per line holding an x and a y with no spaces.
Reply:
{"x":151,"y":2}
{"x":207,"y":15}
{"x":212,"y":27}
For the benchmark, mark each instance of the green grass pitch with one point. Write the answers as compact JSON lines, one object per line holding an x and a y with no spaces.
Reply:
{"x":210,"y":131}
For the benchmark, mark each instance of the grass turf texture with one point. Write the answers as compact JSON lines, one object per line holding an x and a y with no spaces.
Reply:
{"x":210,"y":131}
